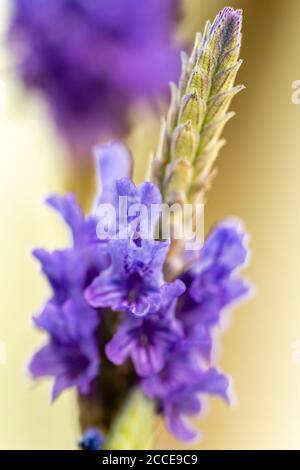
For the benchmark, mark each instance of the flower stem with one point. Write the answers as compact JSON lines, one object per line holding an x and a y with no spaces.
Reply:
{"x":133,"y":428}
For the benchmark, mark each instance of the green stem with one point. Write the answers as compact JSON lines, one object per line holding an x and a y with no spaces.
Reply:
{"x":133,"y":428}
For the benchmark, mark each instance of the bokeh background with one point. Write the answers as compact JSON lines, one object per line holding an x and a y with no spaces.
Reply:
{"x":258,"y":180}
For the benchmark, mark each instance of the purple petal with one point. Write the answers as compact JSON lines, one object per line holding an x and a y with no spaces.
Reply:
{"x":46,"y":362}
{"x":236,"y":288}
{"x":176,"y":409}
{"x":171,"y":291}
{"x":71,"y":212}
{"x":148,"y":360}
{"x":149,"y":194}
{"x":61,"y":383}
{"x":126,"y":187}
{"x":199,"y":337}
{"x":113,"y":162}
{"x":120,"y":346}
{"x":145,"y":304}
{"x":214,"y":383}
{"x":104,"y":293}
{"x":225,"y":246}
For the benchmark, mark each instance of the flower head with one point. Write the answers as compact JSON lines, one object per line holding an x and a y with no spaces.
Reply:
{"x":92,"y":60}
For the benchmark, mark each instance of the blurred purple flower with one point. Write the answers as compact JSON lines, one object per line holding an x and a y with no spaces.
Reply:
{"x":93,"y":59}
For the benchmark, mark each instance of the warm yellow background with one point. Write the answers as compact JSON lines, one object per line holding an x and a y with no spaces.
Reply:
{"x":259,"y":181}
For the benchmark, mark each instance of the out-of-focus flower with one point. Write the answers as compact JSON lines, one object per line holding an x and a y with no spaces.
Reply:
{"x":93,"y":59}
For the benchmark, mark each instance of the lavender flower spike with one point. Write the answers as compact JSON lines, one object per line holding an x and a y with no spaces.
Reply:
{"x":133,"y":336}
{"x":113,"y":162}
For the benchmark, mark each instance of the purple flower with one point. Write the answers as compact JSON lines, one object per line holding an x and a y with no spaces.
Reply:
{"x":93,"y":59}
{"x":178,"y":386}
{"x":212,"y":283}
{"x":71,"y":355}
{"x":148,"y":340}
{"x":132,"y":282}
